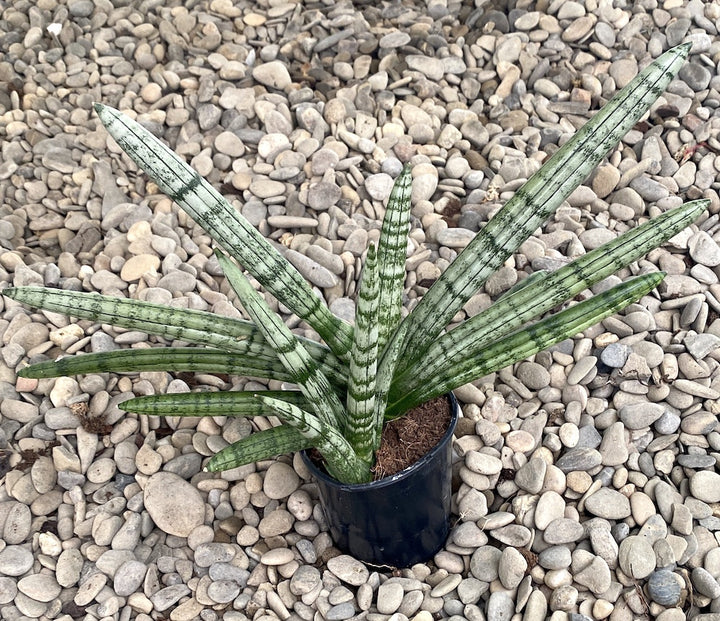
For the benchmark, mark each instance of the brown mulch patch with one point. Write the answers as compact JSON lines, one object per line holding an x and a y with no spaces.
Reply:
{"x":408,"y":438}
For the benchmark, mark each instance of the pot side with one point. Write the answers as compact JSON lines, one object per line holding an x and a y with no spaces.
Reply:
{"x":400,"y":520}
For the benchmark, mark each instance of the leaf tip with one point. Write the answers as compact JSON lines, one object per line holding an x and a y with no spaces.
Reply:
{"x":684,"y":48}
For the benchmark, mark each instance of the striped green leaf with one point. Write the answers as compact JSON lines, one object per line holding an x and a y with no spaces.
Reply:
{"x":260,"y":445}
{"x":170,"y":359}
{"x":361,"y":423}
{"x":528,"y":341}
{"x":392,"y":254}
{"x":192,"y":326}
{"x":541,"y":295}
{"x":303,"y":369}
{"x":220,"y":403}
{"x":225,"y":225}
{"x":534,"y":202}
{"x":340,"y":459}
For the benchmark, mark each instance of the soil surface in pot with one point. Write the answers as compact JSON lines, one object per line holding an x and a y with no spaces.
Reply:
{"x":408,"y":438}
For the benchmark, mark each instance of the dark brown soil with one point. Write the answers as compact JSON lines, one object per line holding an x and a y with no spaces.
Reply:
{"x":408,"y":438}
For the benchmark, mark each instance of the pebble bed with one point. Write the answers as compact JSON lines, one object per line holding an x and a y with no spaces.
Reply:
{"x":587,"y":482}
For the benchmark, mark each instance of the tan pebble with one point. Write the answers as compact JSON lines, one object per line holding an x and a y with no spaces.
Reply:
{"x":135,"y":267}
{"x":520,"y":441}
{"x":174,"y":504}
{"x":579,"y":481}
{"x":278,"y":556}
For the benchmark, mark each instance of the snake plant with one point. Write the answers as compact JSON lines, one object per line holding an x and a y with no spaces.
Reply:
{"x":378,"y":369}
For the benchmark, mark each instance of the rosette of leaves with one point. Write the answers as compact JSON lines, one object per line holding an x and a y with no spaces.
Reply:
{"x":361,"y":376}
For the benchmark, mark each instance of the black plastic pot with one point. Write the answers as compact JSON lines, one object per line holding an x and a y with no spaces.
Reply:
{"x":400,"y":520}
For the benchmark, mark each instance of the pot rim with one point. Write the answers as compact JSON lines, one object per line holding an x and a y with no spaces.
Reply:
{"x":398,"y":476}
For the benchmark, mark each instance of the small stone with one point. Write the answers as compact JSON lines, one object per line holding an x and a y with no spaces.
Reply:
{"x":613,"y":448}
{"x":15,"y":560}
{"x":223,"y":591}
{"x":664,"y":587}
{"x":700,"y":345}
{"x":533,"y":375}
{"x":18,"y":522}
{"x":230,"y":144}
{"x":128,"y":577}
{"x":276,"y":523}
{"x":550,"y":506}
{"x":175,"y":505}
{"x":704,"y":583}
{"x":323,"y":195}
{"x":277,"y":556}
{"x":609,"y":504}
{"x":640,"y":415}
{"x":135,"y":267}
{"x":280,"y":481}
{"x":312,"y":270}
{"x":262,"y":187}
{"x":531,"y":476}
{"x":273,"y":74}
{"x":90,"y":588}
{"x":500,"y":606}
{"x":484,"y":563}
{"x":636,"y":557}
{"x":348,"y":569}
{"x":68,"y":567}
{"x":563,"y":531}
{"x":513,"y":535}
{"x":511,"y":568}
{"x":378,"y":186}
{"x":595,"y":576}
{"x":213,"y":552}
{"x":579,"y":459}
{"x":394,"y":39}
{"x":389,"y":597}
{"x":164,"y":598}
{"x":705,"y":486}
{"x":432,"y":68}
{"x":555,"y":557}
{"x":305,"y":580}
{"x":483,"y":463}
{"x":446,"y":585}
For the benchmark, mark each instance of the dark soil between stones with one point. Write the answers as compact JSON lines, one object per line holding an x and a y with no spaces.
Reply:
{"x":406,"y":439}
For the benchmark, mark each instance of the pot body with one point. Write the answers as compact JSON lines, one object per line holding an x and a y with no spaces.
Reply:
{"x":400,"y":520}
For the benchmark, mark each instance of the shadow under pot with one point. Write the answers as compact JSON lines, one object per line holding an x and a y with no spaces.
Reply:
{"x":399,"y":520}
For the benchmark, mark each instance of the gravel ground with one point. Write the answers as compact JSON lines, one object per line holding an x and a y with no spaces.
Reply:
{"x":303,"y":113}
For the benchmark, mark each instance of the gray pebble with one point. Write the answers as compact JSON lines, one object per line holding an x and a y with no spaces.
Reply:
{"x":348,"y":569}
{"x":615,"y":355}
{"x":484,"y":563}
{"x":705,"y":486}
{"x":563,"y":531}
{"x":636,"y":557}
{"x":15,"y":560}
{"x":128,"y":577}
{"x":579,"y":459}
{"x":640,"y":415}
{"x":555,"y":557}
{"x":664,"y":587}
{"x":500,"y":606}
{"x":312,"y":270}
{"x":223,"y":591}
{"x":609,"y":504}
{"x":389,"y":597}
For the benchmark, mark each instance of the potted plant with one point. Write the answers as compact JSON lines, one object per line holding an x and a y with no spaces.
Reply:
{"x":362,"y":377}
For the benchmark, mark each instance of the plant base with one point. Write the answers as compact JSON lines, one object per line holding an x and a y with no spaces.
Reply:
{"x":397,"y":521}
